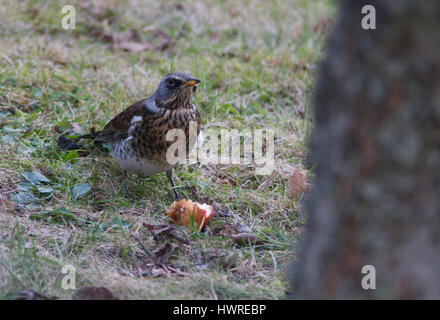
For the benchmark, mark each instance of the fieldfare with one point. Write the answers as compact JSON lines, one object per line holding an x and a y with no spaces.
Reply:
{"x":137,"y":135}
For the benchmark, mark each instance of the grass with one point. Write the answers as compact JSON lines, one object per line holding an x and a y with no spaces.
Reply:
{"x":257,"y":60}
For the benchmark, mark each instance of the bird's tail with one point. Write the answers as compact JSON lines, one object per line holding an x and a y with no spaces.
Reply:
{"x":73,"y":144}
{"x":91,"y":135}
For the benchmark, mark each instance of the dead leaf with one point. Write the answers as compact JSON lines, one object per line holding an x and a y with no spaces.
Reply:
{"x":156,"y":272}
{"x":134,"y":46}
{"x":155,"y":264}
{"x":7,"y":206}
{"x":297,"y":183}
{"x":245,"y":271}
{"x":180,"y":6}
{"x":164,"y":231}
{"x":94,"y":293}
{"x":104,"y":12}
{"x":227,"y":181}
{"x":59,"y":62}
{"x":163,"y":253}
{"x":34,"y":295}
{"x":245,"y":239}
{"x":128,"y":40}
{"x":75,"y":128}
{"x":166,"y":42}
{"x":103,"y":36}
{"x":132,"y":41}
{"x":231,"y":228}
{"x":239,"y":233}
{"x":323,"y":24}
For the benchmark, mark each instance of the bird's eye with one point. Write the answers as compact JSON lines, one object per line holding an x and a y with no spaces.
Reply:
{"x":172,"y":82}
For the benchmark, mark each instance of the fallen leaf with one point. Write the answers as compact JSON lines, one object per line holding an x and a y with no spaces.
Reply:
{"x":155,"y":263}
{"x":59,"y":62}
{"x":134,"y":46}
{"x":76,"y":128}
{"x":227,"y":181}
{"x":163,"y":231}
{"x":156,"y":272}
{"x":297,"y":183}
{"x":7,"y":206}
{"x":162,"y":254}
{"x":245,"y":271}
{"x":34,"y":295}
{"x":94,"y":293}
{"x":166,"y":42}
{"x":231,"y":228}
{"x":245,"y":239}
{"x":240,"y":233}
{"x":323,"y":24}
{"x":114,"y":223}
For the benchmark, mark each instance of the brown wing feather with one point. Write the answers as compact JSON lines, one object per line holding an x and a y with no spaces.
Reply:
{"x":117,"y":128}
{"x":198,"y":121}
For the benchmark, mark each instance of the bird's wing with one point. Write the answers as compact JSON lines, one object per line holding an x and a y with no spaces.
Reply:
{"x":119,"y":126}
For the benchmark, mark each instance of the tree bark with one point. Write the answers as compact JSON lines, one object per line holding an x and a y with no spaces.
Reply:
{"x":376,"y":152}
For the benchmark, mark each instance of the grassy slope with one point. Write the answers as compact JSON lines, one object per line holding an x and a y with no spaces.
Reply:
{"x":257,"y":62}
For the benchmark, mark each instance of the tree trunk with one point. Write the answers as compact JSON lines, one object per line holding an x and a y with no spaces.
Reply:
{"x":376,"y":151}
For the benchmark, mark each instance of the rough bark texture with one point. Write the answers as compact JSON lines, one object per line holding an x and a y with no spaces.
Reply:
{"x":376,"y":148}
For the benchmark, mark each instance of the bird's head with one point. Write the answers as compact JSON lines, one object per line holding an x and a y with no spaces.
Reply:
{"x":175,"y":90}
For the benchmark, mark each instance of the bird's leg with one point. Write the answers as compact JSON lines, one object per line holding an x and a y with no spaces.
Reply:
{"x":170,"y":177}
{"x":127,"y":193}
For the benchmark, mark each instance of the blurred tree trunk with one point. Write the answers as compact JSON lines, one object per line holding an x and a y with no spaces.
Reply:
{"x":376,"y":148}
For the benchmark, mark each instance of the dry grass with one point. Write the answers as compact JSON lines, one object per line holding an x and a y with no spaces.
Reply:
{"x":257,"y":61}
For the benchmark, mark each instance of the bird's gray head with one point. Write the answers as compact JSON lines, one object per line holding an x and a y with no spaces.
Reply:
{"x":175,"y":90}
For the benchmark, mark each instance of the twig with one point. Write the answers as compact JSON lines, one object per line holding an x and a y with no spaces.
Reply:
{"x":143,"y":247}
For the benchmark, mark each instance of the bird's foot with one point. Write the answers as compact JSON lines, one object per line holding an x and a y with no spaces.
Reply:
{"x":128,"y":197}
{"x":177,"y":197}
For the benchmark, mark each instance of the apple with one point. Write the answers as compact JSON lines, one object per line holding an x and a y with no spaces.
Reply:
{"x":192,"y":215}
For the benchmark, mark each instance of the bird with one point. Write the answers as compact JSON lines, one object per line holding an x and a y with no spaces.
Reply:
{"x":137,"y":135}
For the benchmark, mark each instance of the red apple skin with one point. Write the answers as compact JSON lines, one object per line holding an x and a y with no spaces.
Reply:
{"x":180,"y":213}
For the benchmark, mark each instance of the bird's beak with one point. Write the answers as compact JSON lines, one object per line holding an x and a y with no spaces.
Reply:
{"x":191,"y":82}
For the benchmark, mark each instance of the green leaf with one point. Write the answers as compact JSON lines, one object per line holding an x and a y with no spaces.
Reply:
{"x":64,"y":125}
{"x":44,"y":189}
{"x":114,"y":223}
{"x":36,"y":92}
{"x":34,"y":177}
{"x":7,"y":139}
{"x":64,"y":212}
{"x":10,"y":129}
{"x":39,"y":132}
{"x":72,"y":154}
{"x":32,"y":206}
{"x":60,"y":78}
{"x":24,"y":186}
{"x":22,"y":197}
{"x":80,"y":190}
{"x":11,"y":82}
{"x":4,"y":114}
